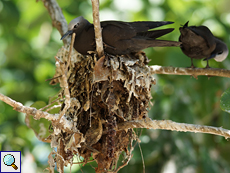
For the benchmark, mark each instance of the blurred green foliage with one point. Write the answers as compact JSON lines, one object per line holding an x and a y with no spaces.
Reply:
{"x":28,"y":44}
{"x":225,"y":101}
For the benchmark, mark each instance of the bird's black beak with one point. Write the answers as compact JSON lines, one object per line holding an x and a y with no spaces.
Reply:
{"x":66,"y":34}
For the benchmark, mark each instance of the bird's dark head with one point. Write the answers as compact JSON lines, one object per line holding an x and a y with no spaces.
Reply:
{"x":76,"y":25}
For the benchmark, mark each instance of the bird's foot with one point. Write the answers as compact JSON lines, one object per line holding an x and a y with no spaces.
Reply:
{"x":192,"y":66}
{"x":207,"y":66}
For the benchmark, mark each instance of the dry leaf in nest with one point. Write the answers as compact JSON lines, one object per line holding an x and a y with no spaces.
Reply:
{"x":103,"y":93}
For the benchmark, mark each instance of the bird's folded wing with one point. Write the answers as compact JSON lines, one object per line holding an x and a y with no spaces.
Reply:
{"x":205,"y":33}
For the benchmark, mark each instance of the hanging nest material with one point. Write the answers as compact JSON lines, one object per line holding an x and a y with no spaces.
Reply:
{"x":103,"y":92}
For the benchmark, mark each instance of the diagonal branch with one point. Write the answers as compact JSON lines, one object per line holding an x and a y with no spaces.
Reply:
{"x":97,"y":28}
{"x":28,"y":110}
{"x":64,"y":123}
{"x":156,"y":69}
{"x":57,"y":17}
{"x":170,"y":125}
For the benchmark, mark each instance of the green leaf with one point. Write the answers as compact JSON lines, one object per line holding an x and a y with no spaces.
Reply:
{"x":41,"y":126}
{"x":225,"y":101}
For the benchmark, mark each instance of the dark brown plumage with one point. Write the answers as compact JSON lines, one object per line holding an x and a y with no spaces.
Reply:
{"x":119,"y":38}
{"x":198,"y":42}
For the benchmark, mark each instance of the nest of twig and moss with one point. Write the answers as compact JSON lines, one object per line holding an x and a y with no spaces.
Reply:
{"x":103,"y":93}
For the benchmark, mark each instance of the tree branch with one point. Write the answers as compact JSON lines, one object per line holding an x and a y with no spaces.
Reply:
{"x":97,"y":28}
{"x":28,"y":110}
{"x":57,"y":17}
{"x":145,"y":123}
{"x":170,"y":125}
{"x":156,"y":69}
{"x":63,"y":123}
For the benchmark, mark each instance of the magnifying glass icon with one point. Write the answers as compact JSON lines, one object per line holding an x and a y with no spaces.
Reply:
{"x":9,"y":160}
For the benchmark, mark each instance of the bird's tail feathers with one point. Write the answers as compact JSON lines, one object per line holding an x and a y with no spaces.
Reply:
{"x":146,"y":25}
{"x":156,"y":33}
{"x":165,"y":43}
{"x":152,"y":25}
{"x":185,"y":25}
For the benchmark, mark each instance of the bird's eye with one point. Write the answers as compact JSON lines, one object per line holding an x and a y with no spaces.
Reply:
{"x":75,"y":26}
{"x":219,"y":52}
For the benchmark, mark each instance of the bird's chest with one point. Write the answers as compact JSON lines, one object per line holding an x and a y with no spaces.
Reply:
{"x":85,"y":41}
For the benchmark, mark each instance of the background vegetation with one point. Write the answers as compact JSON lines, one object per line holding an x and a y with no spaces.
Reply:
{"x":28,"y":44}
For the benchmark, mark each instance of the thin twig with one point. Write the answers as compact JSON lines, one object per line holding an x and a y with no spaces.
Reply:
{"x":142,"y":157}
{"x":127,"y":159}
{"x":51,"y":163}
{"x":65,"y":70}
{"x":84,"y":162}
{"x":70,"y":51}
{"x":60,"y":159}
{"x":65,"y":86}
{"x":41,"y":109}
{"x":91,"y":101}
{"x":53,"y":78}
{"x":156,"y":69}
{"x":53,"y":107}
{"x":97,"y":28}
{"x":170,"y":125}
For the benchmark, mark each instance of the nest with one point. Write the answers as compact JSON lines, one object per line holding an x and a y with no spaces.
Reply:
{"x":103,"y":93}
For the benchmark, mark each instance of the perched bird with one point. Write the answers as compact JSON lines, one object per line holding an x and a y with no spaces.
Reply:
{"x":118,"y":37}
{"x":198,"y":42}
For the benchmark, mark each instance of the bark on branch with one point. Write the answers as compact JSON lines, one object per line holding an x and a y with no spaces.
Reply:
{"x":28,"y":110}
{"x":57,"y":17}
{"x":145,"y":123}
{"x":156,"y":69}
{"x":97,"y":28}
{"x":64,"y":123}
{"x":173,"y":126}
